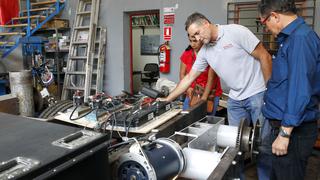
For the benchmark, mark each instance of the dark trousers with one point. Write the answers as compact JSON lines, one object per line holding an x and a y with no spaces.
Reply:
{"x":293,"y":165}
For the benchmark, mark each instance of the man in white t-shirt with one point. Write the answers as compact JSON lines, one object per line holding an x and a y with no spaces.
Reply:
{"x":239,"y":59}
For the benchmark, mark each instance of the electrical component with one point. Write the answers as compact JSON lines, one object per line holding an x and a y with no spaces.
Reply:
{"x":191,"y":153}
{"x":151,"y":92}
{"x":78,"y":98}
{"x":96,"y":101}
{"x":161,"y":159}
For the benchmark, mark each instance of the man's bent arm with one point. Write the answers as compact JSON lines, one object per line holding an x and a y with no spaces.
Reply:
{"x":183,"y":85}
{"x":207,"y":89}
{"x":264,"y":57}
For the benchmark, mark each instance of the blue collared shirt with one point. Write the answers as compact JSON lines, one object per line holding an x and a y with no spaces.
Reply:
{"x":293,"y":91}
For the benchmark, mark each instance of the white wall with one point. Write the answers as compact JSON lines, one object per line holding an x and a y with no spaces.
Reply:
{"x":114,"y":15}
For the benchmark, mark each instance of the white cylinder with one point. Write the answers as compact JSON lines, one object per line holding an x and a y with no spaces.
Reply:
{"x":21,"y":86}
{"x":199,"y":163}
{"x":227,"y":136}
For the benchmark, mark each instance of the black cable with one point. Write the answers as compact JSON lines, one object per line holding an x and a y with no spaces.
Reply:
{"x":139,"y":138}
{"x":130,"y":121}
{"x":112,"y":126}
{"x":79,"y":117}
{"x":73,"y":112}
{"x":97,"y":118}
{"x":128,"y":128}
{"x":119,"y":144}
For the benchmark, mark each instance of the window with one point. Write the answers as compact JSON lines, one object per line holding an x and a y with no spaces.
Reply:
{"x":246,"y":14}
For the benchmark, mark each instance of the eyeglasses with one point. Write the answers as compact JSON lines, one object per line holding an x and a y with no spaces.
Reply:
{"x":194,"y":35}
{"x":193,"y":40}
{"x":265,"y":20}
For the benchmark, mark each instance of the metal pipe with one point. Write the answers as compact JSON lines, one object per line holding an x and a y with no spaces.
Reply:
{"x":21,"y":86}
{"x":29,"y":22}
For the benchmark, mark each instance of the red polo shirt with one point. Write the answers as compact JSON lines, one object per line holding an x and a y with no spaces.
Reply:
{"x":188,"y":58}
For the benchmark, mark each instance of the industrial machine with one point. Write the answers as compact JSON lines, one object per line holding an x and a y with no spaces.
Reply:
{"x":137,"y":113}
{"x":204,"y":150}
{"x":32,"y":149}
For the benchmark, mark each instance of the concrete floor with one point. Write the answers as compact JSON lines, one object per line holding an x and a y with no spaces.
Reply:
{"x":313,"y":168}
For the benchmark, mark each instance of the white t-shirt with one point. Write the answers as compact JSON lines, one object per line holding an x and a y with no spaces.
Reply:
{"x":230,"y":58}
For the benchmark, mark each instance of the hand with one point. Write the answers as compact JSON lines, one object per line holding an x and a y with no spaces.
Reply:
{"x":204,"y":98}
{"x":161,"y":99}
{"x":189,"y":92}
{"x":280,"y":146}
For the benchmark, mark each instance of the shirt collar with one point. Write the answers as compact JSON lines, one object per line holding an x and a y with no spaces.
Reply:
{"x":290,"y":28}
{"x":220,"y":34}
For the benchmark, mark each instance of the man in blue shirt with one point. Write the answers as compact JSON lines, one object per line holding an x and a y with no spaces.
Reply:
{"x":293,"y":92}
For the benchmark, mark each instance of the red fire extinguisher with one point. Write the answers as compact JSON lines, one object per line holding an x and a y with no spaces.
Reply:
{"x":164,"y":57}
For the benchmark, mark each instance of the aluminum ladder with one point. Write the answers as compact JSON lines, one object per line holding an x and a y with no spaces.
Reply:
{"x":83,"y":66}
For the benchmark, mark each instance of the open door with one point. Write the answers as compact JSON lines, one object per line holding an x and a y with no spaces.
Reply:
{"x":144,"y":43}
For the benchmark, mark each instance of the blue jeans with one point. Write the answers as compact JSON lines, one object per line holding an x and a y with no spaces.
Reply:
{"x":186,"y":103}
{"x":215,"y":105}
{"x":264,"y":164}
{"x":250,"y":110}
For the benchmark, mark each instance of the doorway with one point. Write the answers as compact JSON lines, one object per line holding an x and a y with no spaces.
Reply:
{"x":144,"y":43}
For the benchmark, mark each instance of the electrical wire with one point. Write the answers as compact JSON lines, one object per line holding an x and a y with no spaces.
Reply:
{"x":127,"y":128}
{"x":139,"y":138}
{"x":142,"y":152}
{"x":110,"y":148}
{"x":112,"y":126}
{"x":79,"y":117}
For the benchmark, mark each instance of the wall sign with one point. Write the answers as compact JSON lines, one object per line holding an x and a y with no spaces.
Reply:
{"x":167,"y":33}
{"x":168,"y":15}
{"x":168,"y":18}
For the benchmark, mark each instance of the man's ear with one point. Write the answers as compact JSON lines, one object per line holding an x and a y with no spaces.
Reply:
{"x":206,"y":23}
{"x":276,"y":16}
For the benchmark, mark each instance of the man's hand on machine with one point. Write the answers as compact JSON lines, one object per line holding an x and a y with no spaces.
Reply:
{"x":162,"y":99}
{"x":189,"y":92}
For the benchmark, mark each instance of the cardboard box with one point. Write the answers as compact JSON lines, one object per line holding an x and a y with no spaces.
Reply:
{"x":57,"y":23}
{"x":9,"y":103}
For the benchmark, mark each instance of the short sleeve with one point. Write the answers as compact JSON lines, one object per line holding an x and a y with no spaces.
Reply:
{"x":245,"y":38}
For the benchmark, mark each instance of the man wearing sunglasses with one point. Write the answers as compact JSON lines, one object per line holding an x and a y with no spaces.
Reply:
{"x":293,"y":91}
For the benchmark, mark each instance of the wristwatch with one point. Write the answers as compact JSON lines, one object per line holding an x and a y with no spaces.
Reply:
{"x":283,"y":133}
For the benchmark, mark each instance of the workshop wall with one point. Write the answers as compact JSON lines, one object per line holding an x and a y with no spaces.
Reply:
{"x":114,"y":14}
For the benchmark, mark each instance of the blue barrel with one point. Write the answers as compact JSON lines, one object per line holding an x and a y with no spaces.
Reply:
{"x":3,"y":87}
